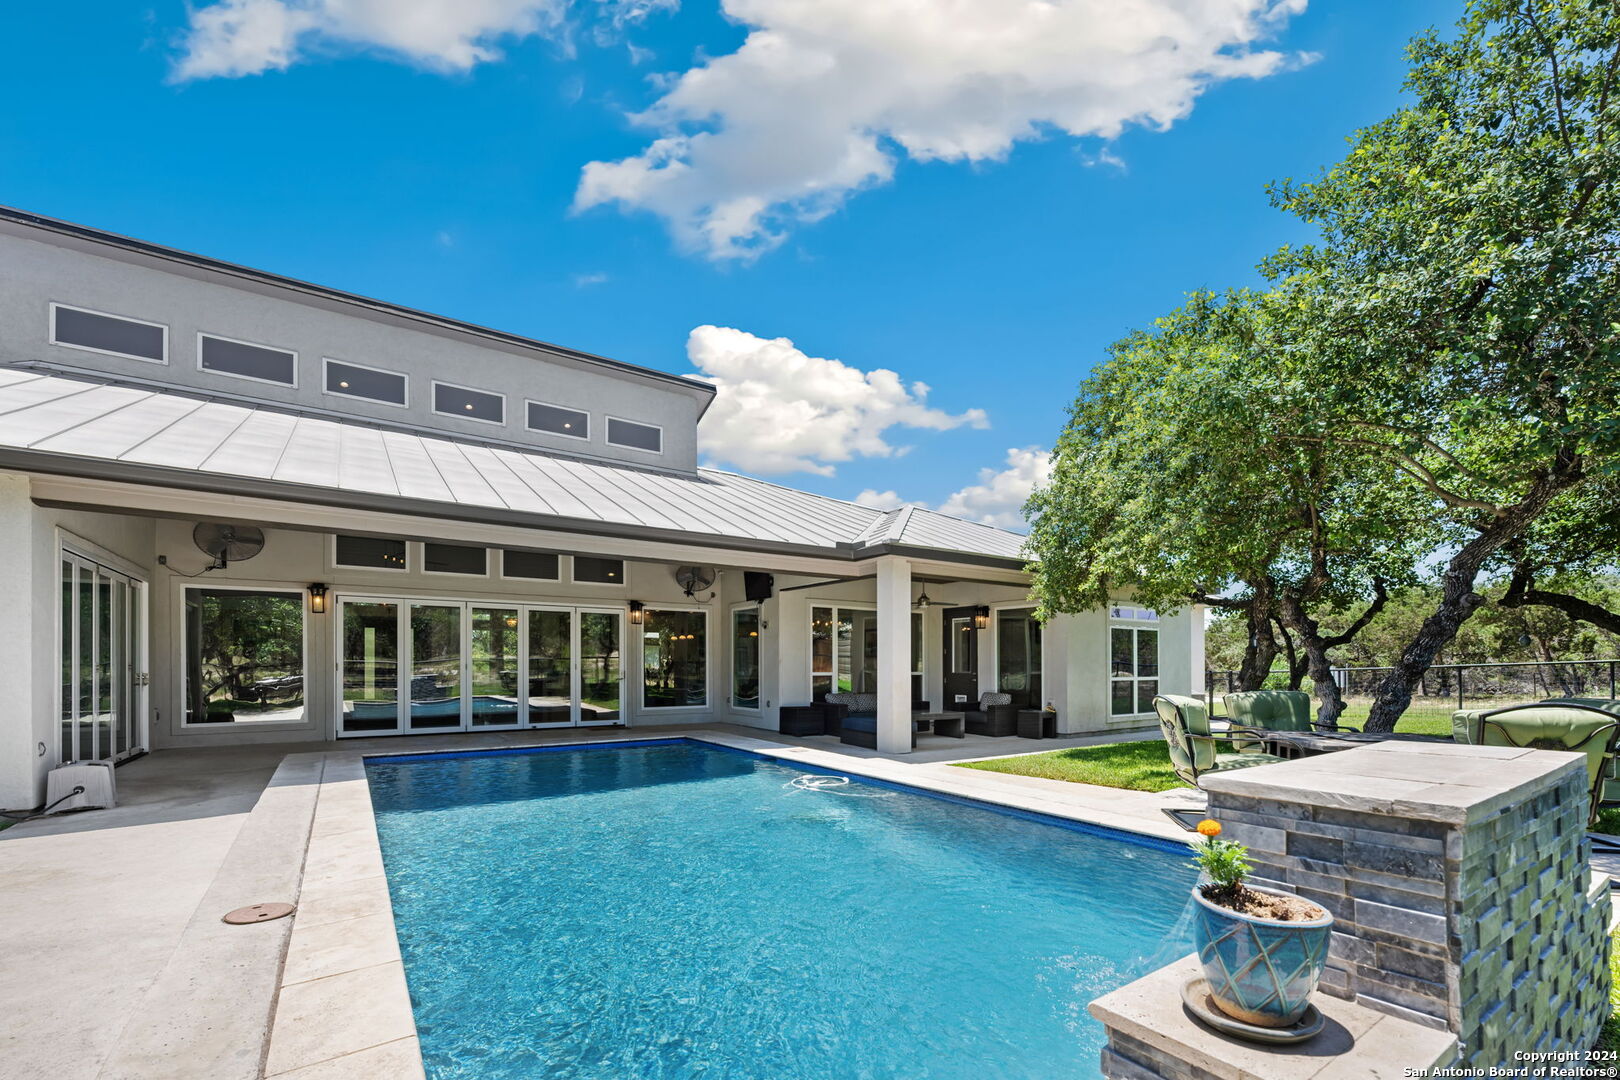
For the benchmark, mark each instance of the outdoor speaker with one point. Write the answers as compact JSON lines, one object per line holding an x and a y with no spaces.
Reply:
{"x":757,"y":586}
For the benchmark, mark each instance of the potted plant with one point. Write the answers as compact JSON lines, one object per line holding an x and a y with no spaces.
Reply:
{"x":1262,"y":950}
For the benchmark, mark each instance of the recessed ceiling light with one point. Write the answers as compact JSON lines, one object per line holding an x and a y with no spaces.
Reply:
{"x":343,"y":385}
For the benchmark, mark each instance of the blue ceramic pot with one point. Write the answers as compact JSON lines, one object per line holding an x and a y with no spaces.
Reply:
{"x":1260,"y":971}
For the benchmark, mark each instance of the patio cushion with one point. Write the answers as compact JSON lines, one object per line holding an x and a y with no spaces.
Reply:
{"x":854,"y":722}
{"x":1185,"y":723}
{"x":991,"y":697}
{"x":1274,"y":710}
{"x":1552,"y":727}
{"x":858,"y":704}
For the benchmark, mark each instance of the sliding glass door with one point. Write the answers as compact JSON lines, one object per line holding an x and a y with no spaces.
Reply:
{"x":459,"y":666}
{"x":102,"y":654}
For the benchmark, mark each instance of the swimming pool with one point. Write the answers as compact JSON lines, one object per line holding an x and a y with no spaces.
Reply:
{"x":671,"y":909}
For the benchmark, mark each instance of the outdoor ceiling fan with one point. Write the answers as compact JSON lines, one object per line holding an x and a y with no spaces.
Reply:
{"x":924,"y":601}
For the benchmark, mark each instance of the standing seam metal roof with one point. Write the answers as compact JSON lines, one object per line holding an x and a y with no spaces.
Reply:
{"x":47,"y":415}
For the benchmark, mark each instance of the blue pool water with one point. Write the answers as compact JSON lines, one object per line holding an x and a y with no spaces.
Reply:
{"x":670,"y":910}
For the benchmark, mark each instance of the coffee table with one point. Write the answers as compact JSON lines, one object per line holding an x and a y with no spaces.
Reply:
{"x":950,"y":724}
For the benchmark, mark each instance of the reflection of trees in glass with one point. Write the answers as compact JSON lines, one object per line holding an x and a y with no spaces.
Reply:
{"x":674,"y":659}
{"x":745,"y":659}
{"x":600,"y":662}
{"x":247,"y":650}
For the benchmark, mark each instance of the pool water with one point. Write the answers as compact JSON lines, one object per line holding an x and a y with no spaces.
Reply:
{"x":671,"y":910}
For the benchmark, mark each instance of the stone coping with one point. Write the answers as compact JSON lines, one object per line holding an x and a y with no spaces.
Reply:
{"x":343,"y":1010}
{"x":1452,"y":783}
{"x":1356,"y":1044}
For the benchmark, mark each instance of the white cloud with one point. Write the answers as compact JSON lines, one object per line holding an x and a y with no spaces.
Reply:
{"x":998,"y":498}
{"x":586,"y":280}
{"x":882,"y":500}
{"x":232,"y":38}
{"x":779,"y":410}
{"x":824,"y":96}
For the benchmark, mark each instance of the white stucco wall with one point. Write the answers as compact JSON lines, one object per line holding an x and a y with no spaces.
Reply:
{"x":30,"y":602}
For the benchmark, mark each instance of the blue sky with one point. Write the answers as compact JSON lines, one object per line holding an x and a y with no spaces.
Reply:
{"x":919,"y":196}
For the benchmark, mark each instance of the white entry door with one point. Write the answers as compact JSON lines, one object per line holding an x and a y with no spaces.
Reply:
{"x":103,"y":656}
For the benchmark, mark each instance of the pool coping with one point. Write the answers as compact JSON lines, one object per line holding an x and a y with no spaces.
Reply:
{"x":342,"y":1006}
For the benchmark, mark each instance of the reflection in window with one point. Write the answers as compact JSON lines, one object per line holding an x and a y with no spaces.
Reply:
{"x":674,"y":660}
{"x":745,"y":658}
{"x":1133,"y":656}
{"x":370,"y":666}
{"x":843,"y":651}
{"x":600,"y":666}
{"x":244,"y":656}
{"x":1018,"y":657}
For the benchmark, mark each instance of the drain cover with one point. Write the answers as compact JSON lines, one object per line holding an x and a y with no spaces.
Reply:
{"x":258,"y":913}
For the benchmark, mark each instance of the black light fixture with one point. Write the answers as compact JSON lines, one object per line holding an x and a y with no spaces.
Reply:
{"x":981,"y":618}
{"x":638,"y":614}
{"x":317,"y":599}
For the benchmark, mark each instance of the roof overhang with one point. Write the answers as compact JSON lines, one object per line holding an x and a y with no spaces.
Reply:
{"x":149,"y":491}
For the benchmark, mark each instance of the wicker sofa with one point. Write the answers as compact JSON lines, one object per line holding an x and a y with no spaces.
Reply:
{"x":996,"y":716}
{"x":858,"y":725}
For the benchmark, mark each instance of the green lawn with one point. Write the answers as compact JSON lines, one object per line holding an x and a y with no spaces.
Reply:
{"x":1144,"y":766}
{"x":1610,"y":1038}
{"x":1137,"y":766}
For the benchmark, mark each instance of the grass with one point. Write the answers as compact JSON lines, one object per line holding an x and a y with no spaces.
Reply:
{"x":1609,"y":1039}
{"x":1135,"y":766}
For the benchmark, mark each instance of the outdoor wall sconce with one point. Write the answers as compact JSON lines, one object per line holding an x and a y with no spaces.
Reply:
{"x":638,"y":614}
{"x":981,"y":618}
{"x":317,"y":599}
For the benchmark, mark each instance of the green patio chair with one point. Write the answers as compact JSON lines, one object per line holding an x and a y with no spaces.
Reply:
{"x":1581,"y":729}
{"x":1465,"y":729}
{"x":1193,"y":745}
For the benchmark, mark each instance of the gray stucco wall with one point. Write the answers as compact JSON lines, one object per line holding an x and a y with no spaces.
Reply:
{"x":34,"y":274}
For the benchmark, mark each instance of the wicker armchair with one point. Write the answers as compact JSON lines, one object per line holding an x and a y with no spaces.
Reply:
{"x":996,"y":716}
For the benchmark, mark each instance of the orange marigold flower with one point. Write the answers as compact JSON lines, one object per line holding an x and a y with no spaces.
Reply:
{"x":1209,"y":827}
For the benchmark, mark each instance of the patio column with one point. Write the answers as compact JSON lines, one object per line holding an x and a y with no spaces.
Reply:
{"x":894,"y":655}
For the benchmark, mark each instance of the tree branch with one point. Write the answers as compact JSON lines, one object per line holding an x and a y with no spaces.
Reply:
{"x":1380,"y":598}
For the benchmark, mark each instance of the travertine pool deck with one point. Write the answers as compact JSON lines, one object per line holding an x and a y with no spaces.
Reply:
{"x":117,"y":911}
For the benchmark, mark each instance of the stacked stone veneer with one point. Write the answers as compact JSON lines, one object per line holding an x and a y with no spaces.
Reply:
{"x":1458,"y":880}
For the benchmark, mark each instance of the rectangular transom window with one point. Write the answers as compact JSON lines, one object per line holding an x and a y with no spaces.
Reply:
{"x":244,"y":361}
{"x":454,"y":559}
{"x":556,"y":420}
{"x":589,"y":568}
{"x":536,"y":565}
{"x":113,"y":334}
{"x":244,"y":656}
{"x":635,"y":436}
{"x":373,"y":384}
{"x":370,"y":552}
{"x":469,"y":404}
{"x":674,"y":660}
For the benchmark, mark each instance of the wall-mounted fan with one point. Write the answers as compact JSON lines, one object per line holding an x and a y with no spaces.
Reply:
{"x":227,"y":543}
{"x":693,"y":579}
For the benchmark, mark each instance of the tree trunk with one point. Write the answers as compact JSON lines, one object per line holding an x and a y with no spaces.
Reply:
{"x":1458,"y":600}
{"x":1262,"y":649}
{"x":1330,"y":701}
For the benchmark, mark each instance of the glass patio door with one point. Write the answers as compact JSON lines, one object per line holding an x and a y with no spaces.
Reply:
{"x":436,"y":692}
{"x":102,"y":654}
{"x":369,"y":664}
{"x":575,"y":666}
{"x":436,"y":665}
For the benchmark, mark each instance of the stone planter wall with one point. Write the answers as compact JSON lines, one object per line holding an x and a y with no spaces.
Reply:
{"x":1458,"y":878}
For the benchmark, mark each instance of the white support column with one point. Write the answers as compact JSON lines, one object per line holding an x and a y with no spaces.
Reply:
{"x":27,"y":640}
{"x":894,"y":655}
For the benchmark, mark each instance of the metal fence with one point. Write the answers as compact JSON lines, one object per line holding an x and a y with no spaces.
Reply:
{"x":1447,"y":687}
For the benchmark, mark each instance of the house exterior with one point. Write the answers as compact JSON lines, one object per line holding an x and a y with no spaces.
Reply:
{"x":238,"y":508}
